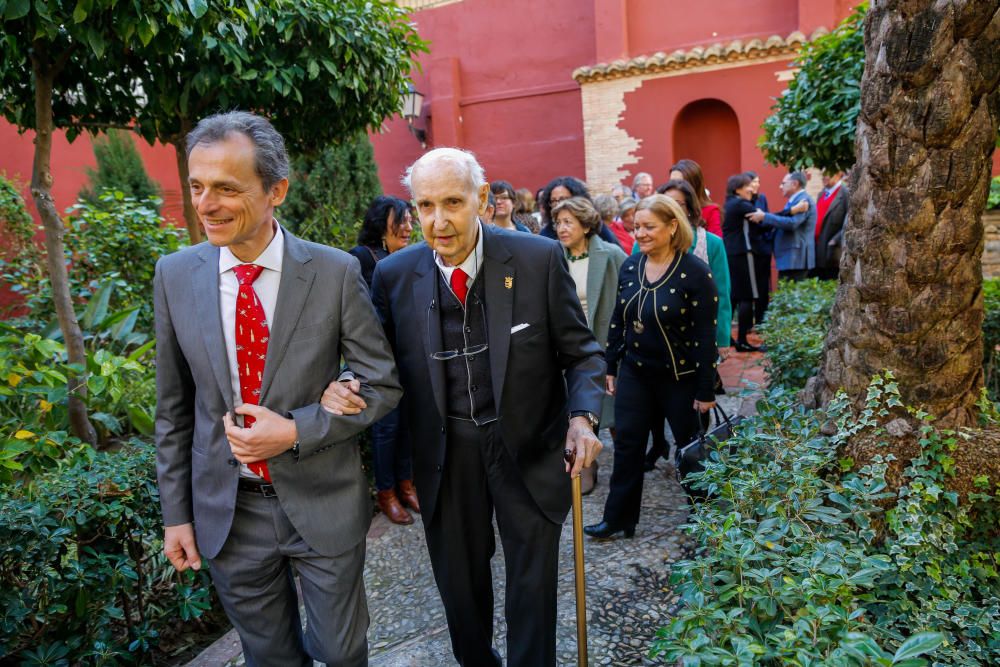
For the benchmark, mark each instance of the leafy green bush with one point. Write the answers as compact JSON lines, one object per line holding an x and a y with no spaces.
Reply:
{"x":33,"y":408}
{"x":82,"y":576}
{"x":794,"y":328}
{"x":330,"y":192}
{"x":800,"y":564}
{"x":117,"y":242}
{"x":813,"y":123}
{"x":991,"y":336}
{"x":119,"y":169}
{"x":994,"y":198}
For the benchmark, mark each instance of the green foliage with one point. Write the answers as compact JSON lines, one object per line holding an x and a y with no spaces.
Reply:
{"x":330,"y":192}
{"x":119,"y":169}
{"x":801,"y":565}
{"x":115,"y":242}
{"x":33,"y":396}
{"x":994,"y":198}
{"x":991,"y":336}
{"x":17,"y":229}
{"x":794,"y":329}
{"x":814,"y":122}
{"x":82,"y":576}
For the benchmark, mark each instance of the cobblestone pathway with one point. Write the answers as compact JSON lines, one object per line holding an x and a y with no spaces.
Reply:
{"x":628,"y":592}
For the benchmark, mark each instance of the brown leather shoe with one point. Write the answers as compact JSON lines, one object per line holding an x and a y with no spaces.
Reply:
{"x":408,"y":495}
{"x":389,"y":504}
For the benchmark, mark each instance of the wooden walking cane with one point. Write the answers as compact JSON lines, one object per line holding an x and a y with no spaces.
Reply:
{"x":581,"y":591}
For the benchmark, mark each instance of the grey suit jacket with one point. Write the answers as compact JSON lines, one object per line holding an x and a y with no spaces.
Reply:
{"x":794,"y":246}
{"x":602,"y":286}
{"x":323,"y":313}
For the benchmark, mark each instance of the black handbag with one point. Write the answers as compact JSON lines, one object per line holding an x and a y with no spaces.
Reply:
{"x":690,"y":458}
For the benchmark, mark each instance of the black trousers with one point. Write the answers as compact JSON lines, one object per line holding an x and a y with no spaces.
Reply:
{"x":642,"y":399}
{"x":480,"y":479}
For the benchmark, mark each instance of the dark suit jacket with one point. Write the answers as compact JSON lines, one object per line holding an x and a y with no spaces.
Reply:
{"x":540,"y":373}
{"x":323,"y":312}
{"x":828,"y":256}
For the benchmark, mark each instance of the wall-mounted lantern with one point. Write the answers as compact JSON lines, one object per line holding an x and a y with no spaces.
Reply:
{"x":413,"y":102}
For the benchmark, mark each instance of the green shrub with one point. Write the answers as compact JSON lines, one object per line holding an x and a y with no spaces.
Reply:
{"x":330,"y":192}
{"x":794,"y":328}
{"x":119,"y":168}
{"x":793,"y":571}
{"x":82,"y":576}
{"x":991,"y":336}
{"x":33,"y":407}
{"x":116,"y":242}
{"x":994,"y":197}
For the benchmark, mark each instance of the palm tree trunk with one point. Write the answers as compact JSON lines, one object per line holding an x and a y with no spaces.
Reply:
{"x":910,"y":295}
{"x":41,"y":184}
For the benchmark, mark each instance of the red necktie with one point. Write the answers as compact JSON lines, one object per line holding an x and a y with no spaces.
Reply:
{"x":459,"y":284}
{"x":251,"y":346}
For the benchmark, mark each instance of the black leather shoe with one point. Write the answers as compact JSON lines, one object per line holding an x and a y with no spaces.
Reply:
{"x":604,"y":530}
{"x":746,"y":347}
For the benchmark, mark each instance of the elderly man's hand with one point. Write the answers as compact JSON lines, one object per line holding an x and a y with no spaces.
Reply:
{"x":343,"y":397}
{"x":756,"y":216}
{"x":270,"y":434}
{"x":582,"y":445}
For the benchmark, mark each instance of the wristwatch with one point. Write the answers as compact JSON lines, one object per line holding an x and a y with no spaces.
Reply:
{"x":591,"y":417}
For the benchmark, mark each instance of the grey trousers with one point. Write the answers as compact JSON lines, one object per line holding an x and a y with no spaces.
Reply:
{"x":253,"y":575}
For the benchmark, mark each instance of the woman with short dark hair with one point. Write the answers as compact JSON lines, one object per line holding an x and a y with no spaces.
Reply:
{"x":748,"y":250}
{"x":386,"y":229}
{"x":560,"y":189}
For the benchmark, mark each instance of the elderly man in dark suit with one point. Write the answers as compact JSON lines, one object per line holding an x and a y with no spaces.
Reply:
{"x":254,"y":475}
{"x":831,"y":212}
{"x":501,"y":374}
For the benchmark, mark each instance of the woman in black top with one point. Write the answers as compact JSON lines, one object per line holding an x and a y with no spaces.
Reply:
{"x":386,"y":229}
{"x":661,"y":351}
{"x":748,"y":248}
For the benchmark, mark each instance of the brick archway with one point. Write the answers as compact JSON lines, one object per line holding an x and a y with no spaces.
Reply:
{"x":708,"y":132}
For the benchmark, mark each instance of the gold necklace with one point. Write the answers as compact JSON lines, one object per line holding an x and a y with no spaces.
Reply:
{"x":644,"y":292}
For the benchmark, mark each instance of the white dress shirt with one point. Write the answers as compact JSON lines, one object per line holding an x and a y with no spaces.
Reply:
{"x":471,"y":265}
{"x":266,"y":287}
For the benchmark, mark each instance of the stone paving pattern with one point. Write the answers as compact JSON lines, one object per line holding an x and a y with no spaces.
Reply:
{"x":628,"y":592}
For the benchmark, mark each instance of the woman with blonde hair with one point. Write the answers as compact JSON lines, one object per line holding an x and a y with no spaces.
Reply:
{"x":593,"y":264}
{"x":661,"y":351}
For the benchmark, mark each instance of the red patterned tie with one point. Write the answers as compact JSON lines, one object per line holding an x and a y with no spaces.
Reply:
{"x":251,"y":346}
{"x":459,"y":284}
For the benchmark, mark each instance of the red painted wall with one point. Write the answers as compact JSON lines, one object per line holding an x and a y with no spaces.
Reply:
{"x":651,"y":112}
{"x":657,"y":26}
{"x":498,"y":82}
{"x":70,"y":162}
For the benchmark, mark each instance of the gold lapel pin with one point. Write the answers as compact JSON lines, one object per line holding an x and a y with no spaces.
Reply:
{"x":508,"y":282}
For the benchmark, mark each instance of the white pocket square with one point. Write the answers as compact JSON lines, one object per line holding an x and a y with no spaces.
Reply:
{"x":515,"y":329}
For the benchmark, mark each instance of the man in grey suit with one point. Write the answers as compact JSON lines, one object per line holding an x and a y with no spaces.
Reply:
{"x":794,"y":245}
{"x":254,"y":475}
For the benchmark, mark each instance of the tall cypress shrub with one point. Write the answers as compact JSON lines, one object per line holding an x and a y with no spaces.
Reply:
{"x":330,"y":191}
{"x":120,"y":168}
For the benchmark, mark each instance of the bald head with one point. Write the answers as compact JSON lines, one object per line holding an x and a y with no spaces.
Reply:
{"x":460,"y":163}
{"x":450,"y":191}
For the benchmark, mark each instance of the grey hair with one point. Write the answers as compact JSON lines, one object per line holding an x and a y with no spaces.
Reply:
{"x":635,"y":181}
{"x":606,"y":206}
{"x":798,"y":177}
{"x":270,"y":156}
{"x":464,"y":159}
